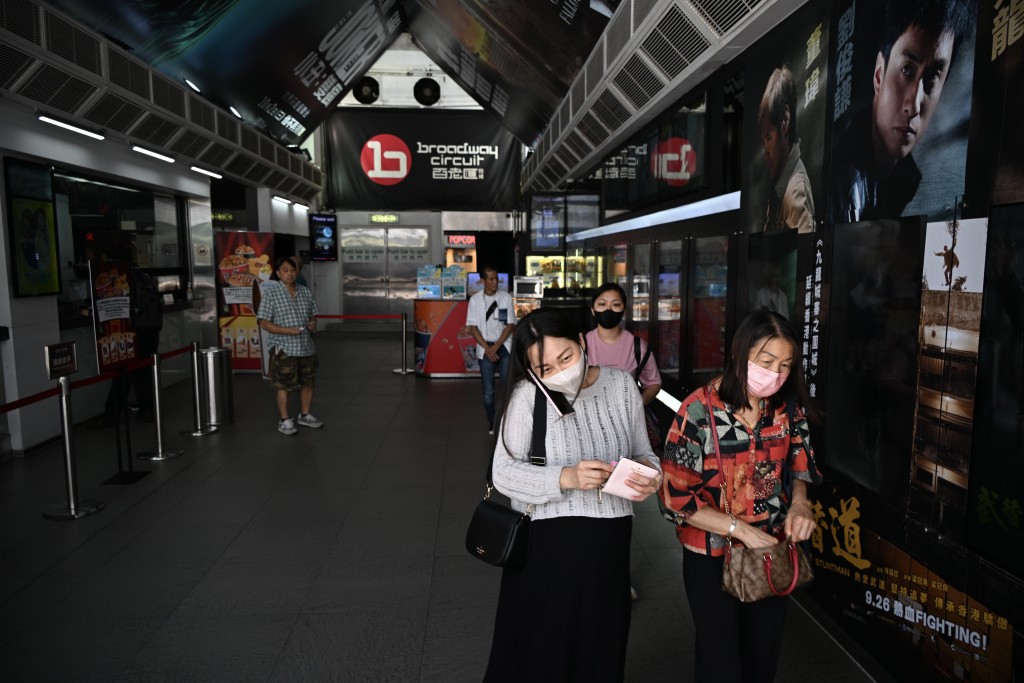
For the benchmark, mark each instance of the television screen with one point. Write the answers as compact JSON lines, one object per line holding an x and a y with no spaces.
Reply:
{"x":323,"y":236}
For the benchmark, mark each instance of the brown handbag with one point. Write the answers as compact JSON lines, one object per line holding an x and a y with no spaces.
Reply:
{"x":752,"y":574}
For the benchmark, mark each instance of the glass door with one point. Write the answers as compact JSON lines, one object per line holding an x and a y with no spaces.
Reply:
{"x":640,"y":290}
{"x":709,"y":278}
{"x":406,"y":249}
{"x":364,"y":271}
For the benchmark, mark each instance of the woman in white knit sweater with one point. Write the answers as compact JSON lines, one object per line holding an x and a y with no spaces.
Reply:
{"x":564,"y":616}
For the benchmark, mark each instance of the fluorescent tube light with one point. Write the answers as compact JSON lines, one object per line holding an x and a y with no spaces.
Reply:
{"x":155,"y":155}
{"x":205,"y":172}
{"x":68,"y":126}
{"x":235,"y":112}
{"x":192,"y":85}
{"x":301,"y":206}
{"x":706,"y":207}
{"x":282,"y":199}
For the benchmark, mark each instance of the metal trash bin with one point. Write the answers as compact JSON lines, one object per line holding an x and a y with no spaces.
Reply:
{"x":215,"y":364}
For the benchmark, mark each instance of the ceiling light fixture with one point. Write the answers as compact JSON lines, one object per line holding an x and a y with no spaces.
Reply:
{"x":155,"y":155}
{"x":192,"y":85}
{"x":235,"y":112}
{"x":218,"y":176}
{"x":301,"y":206}
{"x":281,"y":199}
{"x":68,"y":126}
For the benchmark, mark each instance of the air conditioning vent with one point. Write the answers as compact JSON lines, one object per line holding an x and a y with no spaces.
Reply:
{"x":216,"y":155}
{"x":190,"y":144}
{"x":227,"y":127}
{"x":307,"y":192}
{"x":282,"y":157}
{"x":201,"y":114}
{"x":13,"y":65}
{"x":578,"y":94}
{"x":618,"y":32}
{"x":591,"y":127}
{"x":288,"y":184}
{"x":318,"y":177}
{"x":566,"y":156}
{"x":307,"y":171}
{"x":642,"y":9}
{"x":674,"y":43}
{"x":57,"y":89}
{"x":595,"y":67}
{"x":257,"y":173}
{"x":250,"y":141}
{"x":240,"y":165}
{"x":565,"y":113}
{"x":638,"y":82}
{"x":114,"y":112}
{"x":268,"y":150}
{"x":722,"y":15}
{"x":168,"y":95}
{"x":555,"y":166}
{"x":128,"y":73}
{"x":73,"y":44}
{"x":21,"y":18}
{"x":576,"y":142}
{"x":295,"y":164}
{"x":611,"y":112}
{"x":155,"y":129}
{"x":274,"y":179}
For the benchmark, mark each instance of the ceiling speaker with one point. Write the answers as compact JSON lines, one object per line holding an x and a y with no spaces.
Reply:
{"x":367,"y":90}
{"x":427,"y":91}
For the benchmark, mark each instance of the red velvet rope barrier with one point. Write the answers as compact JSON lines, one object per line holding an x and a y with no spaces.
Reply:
{"x":387,"y":316}
{"x":102,"y":377}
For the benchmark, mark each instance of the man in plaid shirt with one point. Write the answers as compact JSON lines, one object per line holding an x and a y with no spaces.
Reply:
{"x":287,"y":312}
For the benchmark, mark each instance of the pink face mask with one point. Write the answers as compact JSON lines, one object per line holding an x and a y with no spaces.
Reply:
{"x":762,"y":382}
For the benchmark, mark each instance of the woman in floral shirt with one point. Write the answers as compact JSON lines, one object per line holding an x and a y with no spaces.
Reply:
{"x":760,"y":411}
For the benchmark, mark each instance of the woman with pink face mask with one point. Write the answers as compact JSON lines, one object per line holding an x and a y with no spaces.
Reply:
{"x":760,"y":406}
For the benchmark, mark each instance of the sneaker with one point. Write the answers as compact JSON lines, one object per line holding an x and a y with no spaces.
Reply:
{"x":287,"y":426}
{"x":308,"y":420}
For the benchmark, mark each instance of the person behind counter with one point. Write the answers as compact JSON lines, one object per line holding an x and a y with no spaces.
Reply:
{"x":760,"y":406}
{"x":489,"y":319}
{"x":287,"y":312}
{"x":564,"y":616}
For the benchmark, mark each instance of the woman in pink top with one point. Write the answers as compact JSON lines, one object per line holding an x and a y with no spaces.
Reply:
{"x":610,"y":345}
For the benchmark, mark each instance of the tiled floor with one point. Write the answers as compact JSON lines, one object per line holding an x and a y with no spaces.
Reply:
{"x":333,"y":555}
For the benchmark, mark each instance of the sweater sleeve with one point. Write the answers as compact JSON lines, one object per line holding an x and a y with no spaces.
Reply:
{"x":512,"y":472}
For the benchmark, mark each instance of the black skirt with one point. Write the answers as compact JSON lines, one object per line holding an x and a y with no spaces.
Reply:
{"x":565,"y":615}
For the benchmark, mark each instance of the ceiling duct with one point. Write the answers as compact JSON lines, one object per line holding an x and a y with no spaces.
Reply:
{"x":51,"y":63}
{"x":652,"y":53}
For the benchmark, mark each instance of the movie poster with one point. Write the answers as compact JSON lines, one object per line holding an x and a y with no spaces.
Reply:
{"x":772,"y":283}
{"x":900,"y":108}
{"x":244,"y":260}
{"x":32,"y":233}
{"x":995,"y":526}
{"x":995,"y":158}
{"x":784,"y":124}
{"x":874,"y":310}
{"x":111,"y":314}
{"x":951,"y":297}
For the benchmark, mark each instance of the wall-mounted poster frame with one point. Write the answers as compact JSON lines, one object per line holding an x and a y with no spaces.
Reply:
{"x":32,"y":229}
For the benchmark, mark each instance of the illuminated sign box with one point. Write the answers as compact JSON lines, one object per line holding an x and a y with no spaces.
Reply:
{"x":323,"y":236}
{"x":460,"y":241}
{"x":385,"y":218}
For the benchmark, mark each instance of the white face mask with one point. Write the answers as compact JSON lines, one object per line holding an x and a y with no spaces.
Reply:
{"x":568,"y":381}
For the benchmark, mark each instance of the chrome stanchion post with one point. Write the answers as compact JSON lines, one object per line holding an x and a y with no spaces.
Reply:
{"x":405,"y":369}
{"x":74,"y":508}
{"x":159,"y":453}
{"x":197,"y":397}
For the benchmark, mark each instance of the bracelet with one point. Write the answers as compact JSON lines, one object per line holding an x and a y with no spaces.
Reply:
{"x":732,"y":526}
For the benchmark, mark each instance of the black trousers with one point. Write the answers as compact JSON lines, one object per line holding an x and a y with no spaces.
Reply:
{"x":736,"y":642}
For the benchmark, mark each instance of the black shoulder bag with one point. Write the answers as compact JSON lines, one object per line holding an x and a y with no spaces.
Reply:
{"x":654,"y":434}
{"x":498,"y":534}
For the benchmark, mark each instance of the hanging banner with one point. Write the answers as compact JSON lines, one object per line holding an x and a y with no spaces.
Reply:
{"x":784,"y":124}
{"x":401,"y":159}
{"x":111,"y":314}
{"x":995,"y":158}
{"x":281,"y":65}
{"x":244,"y":260}
{"x":903,"y":75}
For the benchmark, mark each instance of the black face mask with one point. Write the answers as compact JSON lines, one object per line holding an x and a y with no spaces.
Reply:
{"x":609,"y":319}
